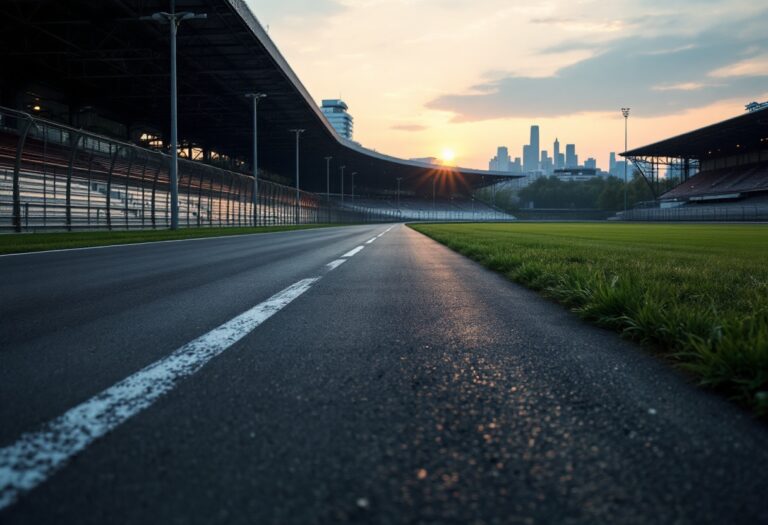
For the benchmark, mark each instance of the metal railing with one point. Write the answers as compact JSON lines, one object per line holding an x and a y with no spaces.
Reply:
{"x":724,"y":213}
{"x":56,"y":177}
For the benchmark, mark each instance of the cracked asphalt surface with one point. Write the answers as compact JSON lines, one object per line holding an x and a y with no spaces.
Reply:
{"x":409,"y":385}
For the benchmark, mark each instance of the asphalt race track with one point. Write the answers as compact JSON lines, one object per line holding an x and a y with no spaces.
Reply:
{"x":293,"y":378}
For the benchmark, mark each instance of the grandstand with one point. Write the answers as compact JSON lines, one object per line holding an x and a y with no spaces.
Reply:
{"x":723,"y":167}
{"x":84,"y":127}
{"x":420,"y":209}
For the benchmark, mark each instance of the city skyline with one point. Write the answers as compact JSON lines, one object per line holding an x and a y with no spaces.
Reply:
{"x":535,"y":156}
{"x":429,"y":83}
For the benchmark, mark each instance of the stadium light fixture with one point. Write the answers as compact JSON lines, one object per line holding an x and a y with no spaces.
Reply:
{"x":256,"y":98}
{"x":298,"y":133}
{"x":174,"y":20}
{"x":625,"y":112}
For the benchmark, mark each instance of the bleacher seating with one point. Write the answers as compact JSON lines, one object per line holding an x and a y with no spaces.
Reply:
{"x":413,"y":208}
{"x":752,"y":208}
{"x":724,"y":181}
{"x":130,"y":188}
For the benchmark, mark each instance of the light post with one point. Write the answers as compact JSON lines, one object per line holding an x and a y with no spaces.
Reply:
{"x":625,"y":112}
{"x":174,"y":20}
{"x":298,"y":133}
{"x":342,"y":184}
{"x":353,"y":187}
{"x":256,"y":97}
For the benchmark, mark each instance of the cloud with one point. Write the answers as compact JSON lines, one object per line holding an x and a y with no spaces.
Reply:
{"x":754,"y":67}
{"x":581,"y":24}
{"x":409,"y":127}
{"x":657,"y":75}
{"x":683,"y":86}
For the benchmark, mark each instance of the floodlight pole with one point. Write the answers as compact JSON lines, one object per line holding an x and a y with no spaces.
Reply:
{"x":625,"y":112}
{"x":256,"y":97}
{"x":298,"y":133}
{"x":174,"y":20}
{"x":174,"y":171}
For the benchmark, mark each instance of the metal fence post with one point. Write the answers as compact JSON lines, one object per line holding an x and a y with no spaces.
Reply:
{"x":131,"y":155}
{"x":16,"y":169}
{"x":154,"y":196}
{"x":74,"y":140}
{"x":143,"y":198}
{"x":199,"y":198}
{"x":109,"y":187}
{"x":189,"y":194}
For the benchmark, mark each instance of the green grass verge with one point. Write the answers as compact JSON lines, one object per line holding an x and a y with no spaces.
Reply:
{"x":35,"y":242}
{"x":696,"y":293}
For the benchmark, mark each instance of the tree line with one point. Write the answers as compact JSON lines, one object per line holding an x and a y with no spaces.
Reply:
{"x":596,"y":194}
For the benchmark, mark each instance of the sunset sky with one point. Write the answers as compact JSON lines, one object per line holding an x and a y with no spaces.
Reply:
{"x":421,"y":76}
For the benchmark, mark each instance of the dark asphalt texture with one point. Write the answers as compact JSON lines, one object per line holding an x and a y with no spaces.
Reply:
{"x":409,"y":385}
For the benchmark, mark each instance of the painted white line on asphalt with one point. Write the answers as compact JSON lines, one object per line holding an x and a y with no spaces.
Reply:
{"x":37,"y":455}
{"x":335,"y":264}
{"x":353,"y":252}
{"x":369,"y":241}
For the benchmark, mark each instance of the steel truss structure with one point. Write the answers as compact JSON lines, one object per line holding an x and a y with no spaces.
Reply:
{"x":650,"y":167}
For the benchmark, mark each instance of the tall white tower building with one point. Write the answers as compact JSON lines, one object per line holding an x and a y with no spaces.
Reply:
{"x":335,"y":110}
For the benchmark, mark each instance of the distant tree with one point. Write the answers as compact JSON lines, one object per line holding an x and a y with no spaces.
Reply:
{"x":598,"y":193}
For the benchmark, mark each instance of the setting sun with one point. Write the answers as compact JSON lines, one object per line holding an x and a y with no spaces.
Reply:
{"x":448,"y":155}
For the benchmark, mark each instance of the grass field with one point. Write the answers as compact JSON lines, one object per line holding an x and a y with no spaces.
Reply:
{"x":696,"y":293}
{"x":35,"y":242}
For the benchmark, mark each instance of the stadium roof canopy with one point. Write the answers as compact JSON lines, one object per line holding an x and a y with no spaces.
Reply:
{"x":99,"y":53}
{"x":737,"y":135}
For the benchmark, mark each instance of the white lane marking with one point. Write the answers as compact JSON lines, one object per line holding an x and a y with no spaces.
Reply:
{"x":335,"y":264}
{"x":369,"y":241}
{"x":37,"y":455}
{"x":353,"y":252}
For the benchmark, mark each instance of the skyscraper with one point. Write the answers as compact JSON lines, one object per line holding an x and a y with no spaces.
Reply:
{"x":612,"y":164}
{"x":535,"y":139}
{"x":571,"y":159}
{"x":531,"y":158}
{"x":556,"y":155}
{"x":546,"y":163}
{"x":528,"y":161}
{"x":335,"y":110}
{"x":501,"y":161}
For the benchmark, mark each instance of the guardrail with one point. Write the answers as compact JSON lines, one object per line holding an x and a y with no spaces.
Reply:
{"x":726,"y":213}
{"x":56,"y":177}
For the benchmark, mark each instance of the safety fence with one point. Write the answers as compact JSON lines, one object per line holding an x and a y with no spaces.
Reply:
{"x":56,"y":177}
{"x":722,"y":213}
